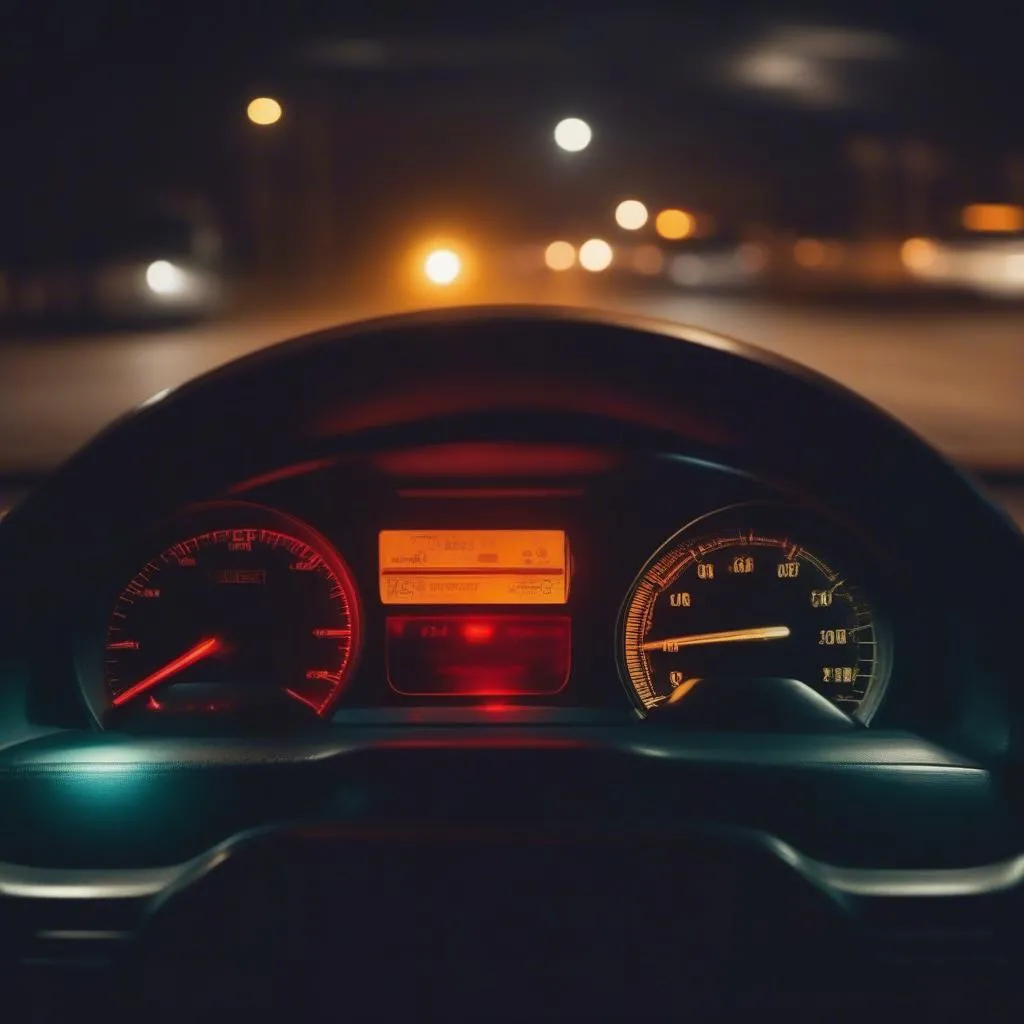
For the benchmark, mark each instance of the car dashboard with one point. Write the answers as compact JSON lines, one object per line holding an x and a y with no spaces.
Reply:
{"x":549,"y":626}
{"x":485,"y":577}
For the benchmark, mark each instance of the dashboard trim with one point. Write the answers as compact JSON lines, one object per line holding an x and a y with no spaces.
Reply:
{"x":21,"y":882}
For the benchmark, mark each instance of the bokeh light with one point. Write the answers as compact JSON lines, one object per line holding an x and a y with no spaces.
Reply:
{"x":264,"y":111}
{"x":560,"y":256}
{"x":918,"y":253}
{"x":595,"y":255}
{"x":442,"y":266}
{"x":164,"y":278}
{"x":674,"y":224}
{"x":809,"y":252}
{"x":752,"y":257}
{"x":573,"y":134}
{"x":993,"y":217}
{"x":648,"y":259}
{"x":631,"y":214}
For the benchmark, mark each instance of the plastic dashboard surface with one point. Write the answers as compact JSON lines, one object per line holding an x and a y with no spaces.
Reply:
{"x":876,"y":796}
{"x":363,"y":443}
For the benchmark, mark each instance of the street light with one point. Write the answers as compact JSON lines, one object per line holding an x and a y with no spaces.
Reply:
{"x":595,"y":255}
{"x":573,"y":134}
{"x":631,"y":214}
{"x":560,"y":255}
{"x":993,"y":217}
{"x":264,"y":110}
{"x":442,"y":266}
{"x":164,"y":278}
{"x":674,"y":224}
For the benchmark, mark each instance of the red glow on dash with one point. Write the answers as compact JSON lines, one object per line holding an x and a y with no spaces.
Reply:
{"x":491,"y":459}
{"x":474,"y":632}
{"x":284,"y":473}
{"x":477,"y":656}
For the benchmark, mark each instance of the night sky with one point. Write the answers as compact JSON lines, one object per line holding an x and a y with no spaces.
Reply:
{"x":447,"y":115}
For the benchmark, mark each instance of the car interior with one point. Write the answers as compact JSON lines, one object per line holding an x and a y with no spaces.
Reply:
{"x":508,"y":663}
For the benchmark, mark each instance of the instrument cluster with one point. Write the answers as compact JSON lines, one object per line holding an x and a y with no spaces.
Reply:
{"x":254,"y":611}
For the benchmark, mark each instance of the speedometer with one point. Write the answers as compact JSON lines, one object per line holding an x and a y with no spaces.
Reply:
{"x":246,"y":611}
{"x":738,"y":594}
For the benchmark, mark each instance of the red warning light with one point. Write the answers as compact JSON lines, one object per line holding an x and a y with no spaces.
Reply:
{"x":474,"y":656}
{"x":477,"y":632}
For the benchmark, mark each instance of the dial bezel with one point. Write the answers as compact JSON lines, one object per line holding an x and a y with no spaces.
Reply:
{"x":192,"y":520}
{"x":810,"y":530}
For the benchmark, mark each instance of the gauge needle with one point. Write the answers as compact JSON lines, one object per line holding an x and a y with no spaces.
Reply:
{"x":728,"y":636}
{"x":203,"y":649}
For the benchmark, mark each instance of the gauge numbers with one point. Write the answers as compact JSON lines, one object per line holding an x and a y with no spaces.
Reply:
{"x":747,"y":602}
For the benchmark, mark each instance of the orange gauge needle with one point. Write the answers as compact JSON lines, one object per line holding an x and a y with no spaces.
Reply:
{"x":728,"y":636}
{"x":203,"y":649}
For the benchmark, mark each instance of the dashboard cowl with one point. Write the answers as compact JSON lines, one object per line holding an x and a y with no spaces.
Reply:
{"x":532,"y":374}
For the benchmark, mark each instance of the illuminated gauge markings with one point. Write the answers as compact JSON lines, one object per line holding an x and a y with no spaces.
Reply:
{"x":745,"y":603}
{"x":233,"y":620}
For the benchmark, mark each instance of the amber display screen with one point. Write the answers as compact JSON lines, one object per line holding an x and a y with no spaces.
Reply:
{"x":474,"y":567}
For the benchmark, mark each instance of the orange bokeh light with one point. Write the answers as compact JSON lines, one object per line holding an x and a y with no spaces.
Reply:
{"x":674,"y":224}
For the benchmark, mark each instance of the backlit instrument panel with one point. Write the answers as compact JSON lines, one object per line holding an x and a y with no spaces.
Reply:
{"x":489,"y":600}
{"x":476,"y":654}
{"x":748,"y":593}
{"x":471,"y":567}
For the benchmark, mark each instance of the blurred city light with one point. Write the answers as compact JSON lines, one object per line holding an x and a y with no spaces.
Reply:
{"x":752,"y":257}
{"x":918,"y":253}
{"x":687,"y":270}
{"x":809,"y":252}
{"x":1015,"y":267}
{"x":631,"y":214}
{"x":264,"y":110}
{"x":595,"y":255}
{"x":648,"y":259}
{"x":164,"y":278}
{"x":812,"y":65}
{"x":835,"y":254}
{"x":442,"y":266}
{"x":560,"y":255}
{"x":572,"y":134}
{"x":994,"y":217}
{"x":674,"y":224}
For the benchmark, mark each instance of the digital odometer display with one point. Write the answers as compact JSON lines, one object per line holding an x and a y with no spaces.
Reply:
{"x":747,"y":602}
{"x":474,"y":567}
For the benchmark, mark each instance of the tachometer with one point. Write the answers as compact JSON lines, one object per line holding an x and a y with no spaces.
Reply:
{"x":738,"y":595}
{"x":250,"y":611}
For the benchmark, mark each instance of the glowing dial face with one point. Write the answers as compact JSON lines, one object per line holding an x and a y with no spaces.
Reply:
{"x":747,"y":602}
{"x":233,"y":620}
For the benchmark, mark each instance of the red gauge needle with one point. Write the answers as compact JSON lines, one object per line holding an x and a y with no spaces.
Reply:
{"x":203,"y":649}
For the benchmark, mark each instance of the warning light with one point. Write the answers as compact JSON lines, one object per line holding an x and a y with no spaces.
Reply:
{"x":474,"y":632}
{"x":505,"y":655}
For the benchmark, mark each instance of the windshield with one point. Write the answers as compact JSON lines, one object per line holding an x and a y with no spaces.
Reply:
{"x":179,"y":188}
